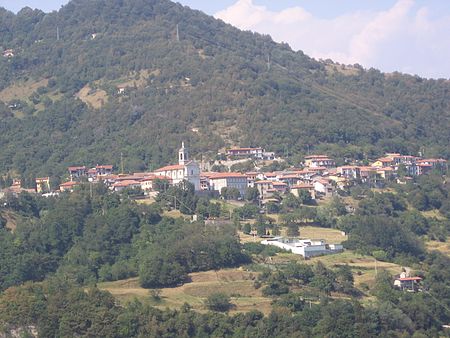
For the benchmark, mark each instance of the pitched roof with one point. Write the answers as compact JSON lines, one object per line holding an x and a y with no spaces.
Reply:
{"x":263,"y":182}
{"x":69,"y":184}
{"x":125,"y":183}
{"x":213,"y":176}
{"x":302,"y":186}
{"x":170,"y":167}
{"x":156,"y":177}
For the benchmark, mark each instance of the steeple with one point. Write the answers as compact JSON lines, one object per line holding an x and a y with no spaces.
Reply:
{"x":183,"y":155}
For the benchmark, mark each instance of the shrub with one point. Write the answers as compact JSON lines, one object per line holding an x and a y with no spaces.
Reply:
{"x":218,"y":302}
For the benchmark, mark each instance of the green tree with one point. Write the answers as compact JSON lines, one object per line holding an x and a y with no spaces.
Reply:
{"x":218,"y":302}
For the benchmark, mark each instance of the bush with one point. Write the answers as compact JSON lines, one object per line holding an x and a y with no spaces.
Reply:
{"x":275,"y":289}
{"x":218,"y":302}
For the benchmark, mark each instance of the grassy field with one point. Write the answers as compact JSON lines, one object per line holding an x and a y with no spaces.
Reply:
{"x":331,"y":236}
{"x":443,"y":247}
{"x":95,"y":98}
{"x":433,"y":214}
{"x":236,"y":283}
{"x":21,"y":90}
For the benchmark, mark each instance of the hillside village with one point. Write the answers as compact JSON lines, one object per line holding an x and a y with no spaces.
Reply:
{"x":317,"y":176}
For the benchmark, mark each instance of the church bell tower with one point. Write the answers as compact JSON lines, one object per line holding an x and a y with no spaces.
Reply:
{"x":183,"y":156}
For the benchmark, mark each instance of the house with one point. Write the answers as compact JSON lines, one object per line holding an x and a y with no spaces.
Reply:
{"x":410,"y":284}
{"x":368,"y":174}
{"x":147,"y":182}
{"x":280,"y":187}
{"x":316,"y":171}
{"x":305,"y":247}
{"x":350,"y":172}
{"x":295,"y":189}
{"x":323,"y":186}
{"x":256,"y":153}
{"x":387,"y":173}
{"x":251,"y":178}
{"x":217,"y":181}
{"x":77,"y":172}
{"x":16,"y":188}
{"x":185,"y":170}
{"x":126,"y":184}
{"x":265,"y":188}
{"x":42,"y":185}
{"x":103,"y":170}
{"x":319,"y":161}
{"x":68,"y":186}
{"x":435,"y":163}
{"x":9,"y":53}
{"x":289,"y":178}
{"x":242,"y":152}
{"x":383,"y":162}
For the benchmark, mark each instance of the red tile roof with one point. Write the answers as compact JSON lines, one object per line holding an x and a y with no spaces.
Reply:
{"x":213,"y":176}
{"x":303,"y":186}
{"x":170,"y":167}
{"x":263,"y":182}
{"x":69,"y":184}
{"x":125,"y":183}
{"x":156,"y":177}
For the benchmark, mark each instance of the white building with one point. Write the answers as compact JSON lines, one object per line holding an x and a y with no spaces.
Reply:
{"x":217,"y":181}
{"x":305,"y":247}
{"x":185,"y":169}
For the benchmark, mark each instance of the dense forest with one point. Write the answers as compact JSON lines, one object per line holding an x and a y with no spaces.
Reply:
{"x":105,"y":77}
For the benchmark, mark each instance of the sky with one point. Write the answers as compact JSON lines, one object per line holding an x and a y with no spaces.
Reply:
{"x":410,"y":36}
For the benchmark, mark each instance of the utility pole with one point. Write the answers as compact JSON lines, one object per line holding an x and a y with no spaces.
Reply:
{"x":57,"y":33}
{"x":268,"y":62}
{"x":178,"y":34}
{"x":121,"y":163}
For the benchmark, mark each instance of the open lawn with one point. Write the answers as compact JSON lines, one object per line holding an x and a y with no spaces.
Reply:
{"x":331,"y":236}
{"x":236,"y":283}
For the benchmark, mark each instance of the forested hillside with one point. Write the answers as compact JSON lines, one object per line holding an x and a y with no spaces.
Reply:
{"x":104,"y":77}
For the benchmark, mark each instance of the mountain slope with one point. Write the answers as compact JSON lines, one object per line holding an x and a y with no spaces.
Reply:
{"x":212,"y":78}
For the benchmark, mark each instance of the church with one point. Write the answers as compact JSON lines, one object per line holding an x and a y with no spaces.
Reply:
{"x":185,"y":169}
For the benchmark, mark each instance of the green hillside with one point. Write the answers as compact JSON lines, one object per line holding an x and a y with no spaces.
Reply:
{"x":60,"y":102}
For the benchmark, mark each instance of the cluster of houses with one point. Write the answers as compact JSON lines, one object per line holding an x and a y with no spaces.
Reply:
{"x":318,"y":175}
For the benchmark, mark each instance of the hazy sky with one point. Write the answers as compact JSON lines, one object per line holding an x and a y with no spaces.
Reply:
{"x":411,"y":36}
